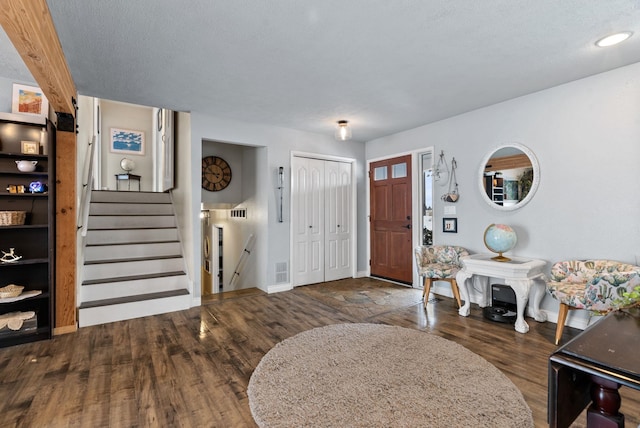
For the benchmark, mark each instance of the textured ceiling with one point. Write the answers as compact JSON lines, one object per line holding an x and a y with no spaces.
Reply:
{"x":386,"y":66}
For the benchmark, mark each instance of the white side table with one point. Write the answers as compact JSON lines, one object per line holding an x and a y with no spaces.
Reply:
{"x":520,"y":274}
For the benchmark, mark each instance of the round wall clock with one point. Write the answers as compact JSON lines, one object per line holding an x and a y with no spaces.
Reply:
{"x":216,"y":173}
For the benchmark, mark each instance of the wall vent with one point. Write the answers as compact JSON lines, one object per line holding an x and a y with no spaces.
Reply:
{"x":282,"y":273}
{"x":238,"y":213}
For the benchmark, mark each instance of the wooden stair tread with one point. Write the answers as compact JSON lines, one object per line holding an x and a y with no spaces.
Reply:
{"x":133,"y":243}
{"x":132,"y":278}
{"x":130,"y":215}
{"x":132,"y":259}
{"x":135,"y":298}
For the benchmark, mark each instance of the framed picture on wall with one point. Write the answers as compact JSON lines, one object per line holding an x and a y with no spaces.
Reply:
{"x":29,"y":100}
{"x":450,"y":225}
{"x":30,"y":147}
{"x":127,"y":141}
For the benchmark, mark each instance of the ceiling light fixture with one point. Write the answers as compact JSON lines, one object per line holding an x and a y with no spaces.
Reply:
{"x":343,"y":131}
{"x":613,"y":39}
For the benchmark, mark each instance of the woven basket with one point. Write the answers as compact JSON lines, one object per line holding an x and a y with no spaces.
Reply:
{"x":11,"y":290}
{"x":11,"y":218}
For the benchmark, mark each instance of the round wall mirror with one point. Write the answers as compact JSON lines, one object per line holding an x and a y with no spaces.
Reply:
{"x":509,"y":177}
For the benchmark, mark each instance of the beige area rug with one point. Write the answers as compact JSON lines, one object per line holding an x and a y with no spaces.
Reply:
{"x":371,"y":375}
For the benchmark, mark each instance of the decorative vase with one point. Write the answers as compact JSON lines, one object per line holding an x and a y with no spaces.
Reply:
{"x":26,"y":165}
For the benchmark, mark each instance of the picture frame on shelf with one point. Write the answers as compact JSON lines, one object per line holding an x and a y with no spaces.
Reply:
{"x":29,"y":100}
{"x":127,"y":141}
{"x":30,"y":148}
{"x":450,"y":225}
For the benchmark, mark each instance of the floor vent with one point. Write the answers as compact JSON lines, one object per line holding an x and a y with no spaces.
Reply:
{"x":282,"y":273}
{"x":239,"y":213}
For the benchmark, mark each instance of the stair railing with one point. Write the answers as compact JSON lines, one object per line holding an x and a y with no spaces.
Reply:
{"x":85,"y":199}
{"x":243,"y":258}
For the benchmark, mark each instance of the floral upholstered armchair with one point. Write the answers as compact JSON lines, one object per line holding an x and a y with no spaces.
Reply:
{"x":439,"y":263}
{"x":594,"y":285}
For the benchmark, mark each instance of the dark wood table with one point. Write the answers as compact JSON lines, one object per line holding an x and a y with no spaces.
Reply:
{"x":592,"y":367}
{"x":129,"y":178}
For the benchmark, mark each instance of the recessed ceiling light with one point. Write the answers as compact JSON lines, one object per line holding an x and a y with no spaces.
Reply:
{"x":613,"y":39}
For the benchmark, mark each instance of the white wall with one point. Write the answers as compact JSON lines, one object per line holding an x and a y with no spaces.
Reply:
{"x":273,"y":238}
{"x":183,"y":200}
{"x":586,"y":136}
{"x":133,"y":117}
{"x":232,"y":154}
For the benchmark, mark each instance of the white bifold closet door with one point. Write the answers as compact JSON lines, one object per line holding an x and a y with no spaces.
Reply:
{"x":321,"y":220}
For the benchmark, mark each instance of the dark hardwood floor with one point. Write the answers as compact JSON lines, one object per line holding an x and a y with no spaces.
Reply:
{"x":191,"y":368}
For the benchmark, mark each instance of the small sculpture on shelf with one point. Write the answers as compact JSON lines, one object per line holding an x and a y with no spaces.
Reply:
{"x":37,"y":187}
{"x":9,"y":257}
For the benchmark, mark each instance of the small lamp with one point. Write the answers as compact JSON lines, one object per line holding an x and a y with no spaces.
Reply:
{"x":343,"y":131}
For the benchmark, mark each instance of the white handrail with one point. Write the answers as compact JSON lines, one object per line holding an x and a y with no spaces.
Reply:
{"x":83,"y":215}
{"x":243,"y":258}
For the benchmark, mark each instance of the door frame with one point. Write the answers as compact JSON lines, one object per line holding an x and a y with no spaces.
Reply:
{"x":354,"y":206}
{"x":416,"y":172}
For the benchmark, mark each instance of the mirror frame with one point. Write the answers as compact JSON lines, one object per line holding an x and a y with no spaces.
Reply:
{"x":534,"y":184}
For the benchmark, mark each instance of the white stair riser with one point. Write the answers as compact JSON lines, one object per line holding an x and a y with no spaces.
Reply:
{"x":134,"y":197}
{"x":112,"y":290}
{"x":107,"y":208}
{"x":142,"y":267}
{"x":130,"y":222}
{"x":112,"y":252}
{"x":125,"y":311}
{"x":99,"y":237}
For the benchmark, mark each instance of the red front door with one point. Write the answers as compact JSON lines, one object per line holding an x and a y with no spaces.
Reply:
{"x":390,"y":189}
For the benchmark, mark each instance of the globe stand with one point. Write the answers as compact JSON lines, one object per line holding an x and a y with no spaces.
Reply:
{"x":501,"y":258}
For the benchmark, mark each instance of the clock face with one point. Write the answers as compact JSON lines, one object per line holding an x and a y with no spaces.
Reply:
{"x":216,"y":173}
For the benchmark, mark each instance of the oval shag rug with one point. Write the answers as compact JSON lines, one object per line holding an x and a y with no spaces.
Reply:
{"x":371,"y":375}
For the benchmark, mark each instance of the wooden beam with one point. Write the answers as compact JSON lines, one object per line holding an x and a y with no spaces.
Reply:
{"x":508,"y":162}
{"x":30,"y":28}
{"x":65,"y":287}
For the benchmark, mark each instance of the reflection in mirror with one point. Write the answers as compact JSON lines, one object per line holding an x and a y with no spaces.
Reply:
{"x":426,"y":161}
{"x":509,"y":177}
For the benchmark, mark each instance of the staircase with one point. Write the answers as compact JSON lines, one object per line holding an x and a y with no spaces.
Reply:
{"x":133,"y":264}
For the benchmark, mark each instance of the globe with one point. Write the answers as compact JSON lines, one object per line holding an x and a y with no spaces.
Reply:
{"x":127,"y":164}
{"x":500,"y":238}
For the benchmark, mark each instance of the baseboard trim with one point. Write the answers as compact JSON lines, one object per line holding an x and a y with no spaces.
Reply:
{"x":277,"y":288}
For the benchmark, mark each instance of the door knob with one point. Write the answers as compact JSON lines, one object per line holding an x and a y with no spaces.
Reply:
{"x":408,"y":226}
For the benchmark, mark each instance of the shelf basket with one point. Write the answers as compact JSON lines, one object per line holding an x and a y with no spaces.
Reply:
{"x":12,"y":218}
{"x":11,"y":290}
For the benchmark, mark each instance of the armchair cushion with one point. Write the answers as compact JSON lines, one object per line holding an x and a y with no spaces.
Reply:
{"x":592,"y":284}
{"x":439,"y":261}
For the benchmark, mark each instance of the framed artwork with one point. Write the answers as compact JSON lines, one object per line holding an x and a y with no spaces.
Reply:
{"x":450,"y":225}
{"x":29,"y":99}
{"x":30,"y":147}
{"x":127,"y":141}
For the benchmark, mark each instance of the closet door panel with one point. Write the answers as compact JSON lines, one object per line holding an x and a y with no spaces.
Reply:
{"x":307,"y":200}
{"x":338,"y":220}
